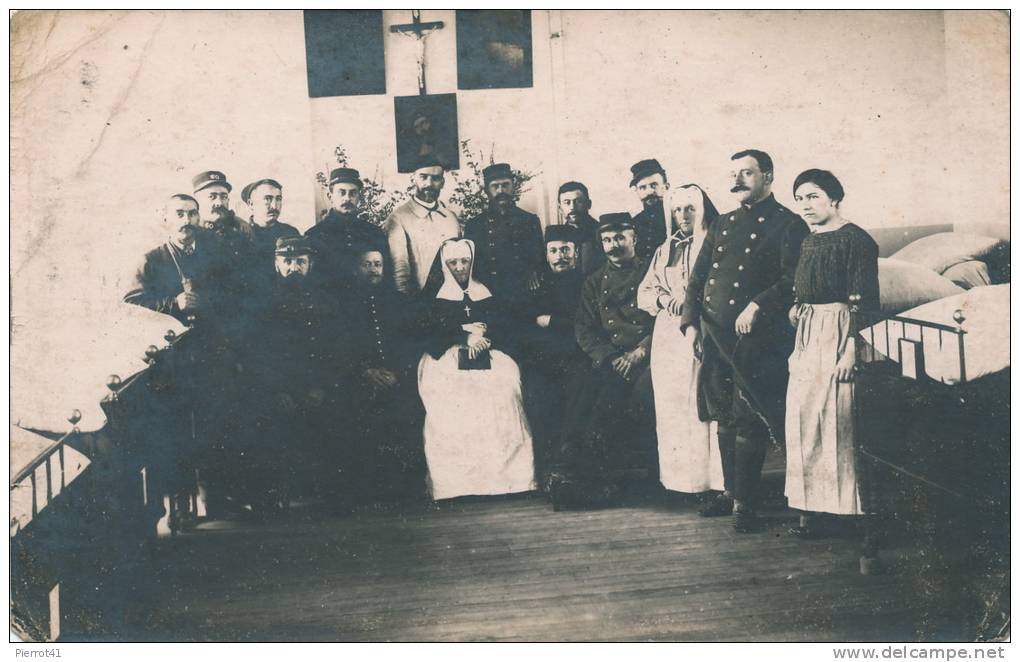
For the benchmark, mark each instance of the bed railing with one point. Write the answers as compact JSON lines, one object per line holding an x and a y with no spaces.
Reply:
{"x":908,"y":341}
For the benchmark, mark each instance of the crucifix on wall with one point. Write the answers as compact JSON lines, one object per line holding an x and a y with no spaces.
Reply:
{"x":419,"y":31}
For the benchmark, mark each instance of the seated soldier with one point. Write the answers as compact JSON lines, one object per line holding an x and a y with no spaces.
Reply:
{"x":607,"y":439}
{"x":387,"y":457}
{"x":552,"y":350}
{"x":292,"y":377}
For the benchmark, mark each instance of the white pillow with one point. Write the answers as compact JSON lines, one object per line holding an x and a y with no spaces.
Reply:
{"x":985,"y":341}
{"x":904,"y":285}
{"x":942,"y":250}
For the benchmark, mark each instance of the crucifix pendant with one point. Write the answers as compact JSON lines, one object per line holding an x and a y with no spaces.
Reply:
{"x":467,"y":310}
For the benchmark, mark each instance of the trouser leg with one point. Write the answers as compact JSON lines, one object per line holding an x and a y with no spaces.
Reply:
{"x":751,"y":444}
{"x":728,"y":454}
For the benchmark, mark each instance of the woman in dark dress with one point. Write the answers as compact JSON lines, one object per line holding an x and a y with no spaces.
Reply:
{"x":837,"y":276}
{"x":477,"y":439}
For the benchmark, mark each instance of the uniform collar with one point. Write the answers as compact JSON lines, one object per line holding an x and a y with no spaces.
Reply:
{"x":762,"y":205}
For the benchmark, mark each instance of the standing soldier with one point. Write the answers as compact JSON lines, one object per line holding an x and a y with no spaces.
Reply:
{"x":738,"y":296}
{"x":508,"y":239}
{"x":648,"y":179}
{"x":337,"y":235}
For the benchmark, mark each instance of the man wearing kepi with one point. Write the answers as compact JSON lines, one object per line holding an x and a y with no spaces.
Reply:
{"x":607,"y":439}
{"x":340,"y":232}
{"x":740,"y":290}
{"x":264,"y":198}
{"x":212,"y":190}
{"x":417,"y":228}
{"x":648,"y":179}
{"x":508,"y":240}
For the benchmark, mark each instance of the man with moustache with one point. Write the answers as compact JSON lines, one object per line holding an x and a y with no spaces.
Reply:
{"x":387,"y":459}
{"x":264,"y":198}
{"x":740,"y":290}
{"x":212,"y":190}
{"x":184,"y":276}
{"x":552,"y":353}
{"x":648,"y":180}
{"x":575,"y":210}
{"x":416,"y":229}
{"x":337,"y":233}
{"x":607,"y":441}
{"x":508,"y":240}
{"x":293,"y":377}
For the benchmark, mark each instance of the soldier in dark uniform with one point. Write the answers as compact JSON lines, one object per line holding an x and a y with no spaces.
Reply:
{"x":607,"y":438}
{"x":212,"y":190}
{"x":508,"y":240}
{"x":740,"y":290}
{"x":183,"y":277}
{"x":293,"y":374}
{"x":575,"y":210}
{"x":388,"y":458}
{"x":337,"y":234}
{"x":186,"y":277}
{"x":551,"y":352}
{"x":648,"y":180}
{"x":264,"y":198}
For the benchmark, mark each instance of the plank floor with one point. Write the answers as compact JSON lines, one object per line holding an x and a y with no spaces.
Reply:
{"x":514,"y":570}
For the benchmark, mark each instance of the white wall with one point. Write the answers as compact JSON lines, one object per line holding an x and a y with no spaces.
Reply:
{"x":113,"y":111}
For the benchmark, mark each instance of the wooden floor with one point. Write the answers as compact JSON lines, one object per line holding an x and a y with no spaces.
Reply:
{"x":512,"y":569}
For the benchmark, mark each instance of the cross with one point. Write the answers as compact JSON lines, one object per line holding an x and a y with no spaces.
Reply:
{"x":419,"y":31}
{"x":467,"y":310}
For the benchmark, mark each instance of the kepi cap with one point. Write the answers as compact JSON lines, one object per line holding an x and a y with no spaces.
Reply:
{"x":209,"y":178}
{"x":645,"y":168}
{"x":615,"y":222}
{"x":247,"y":190}
{"x":345,"y":176}
{"x":293,"y":246}
{"x":497,"y":171}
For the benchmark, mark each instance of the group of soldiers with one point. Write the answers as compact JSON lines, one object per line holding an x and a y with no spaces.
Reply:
{"x":313,"y":340}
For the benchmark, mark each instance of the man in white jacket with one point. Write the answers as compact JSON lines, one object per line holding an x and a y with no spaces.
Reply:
{"x":416,"y":229}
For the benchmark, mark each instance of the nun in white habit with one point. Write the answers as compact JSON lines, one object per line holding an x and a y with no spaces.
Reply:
{"x":477,"y":439}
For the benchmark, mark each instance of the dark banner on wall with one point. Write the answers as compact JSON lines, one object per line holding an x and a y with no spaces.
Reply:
{"x":426,"y":127}
{"x":493,"y":49}
{"x":344,"y":52}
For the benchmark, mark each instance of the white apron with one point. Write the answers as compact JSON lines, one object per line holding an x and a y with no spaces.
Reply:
{"x":821,"y":473}
{"x":689,"y":459}
{"x":477,"y":439}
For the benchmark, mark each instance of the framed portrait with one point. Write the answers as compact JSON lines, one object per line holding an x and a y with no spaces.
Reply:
{"x":493,"y":49}
{"x":426,"y":126}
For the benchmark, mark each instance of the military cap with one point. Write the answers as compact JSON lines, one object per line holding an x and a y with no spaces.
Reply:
{"x":562,"y":232}
{"x":345,"y":176}
{"x":497,"y":171}
{"x":615,"y":222}
{"x":294,"y":246}
{"x":645,"y":168}
{"x":210,"y":178}
{"x":247,"y":190}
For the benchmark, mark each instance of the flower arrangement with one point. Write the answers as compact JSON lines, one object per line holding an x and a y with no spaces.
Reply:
{"x":377,"y":202}
{"x":467,"y":198}
{"x":468,"y":195}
